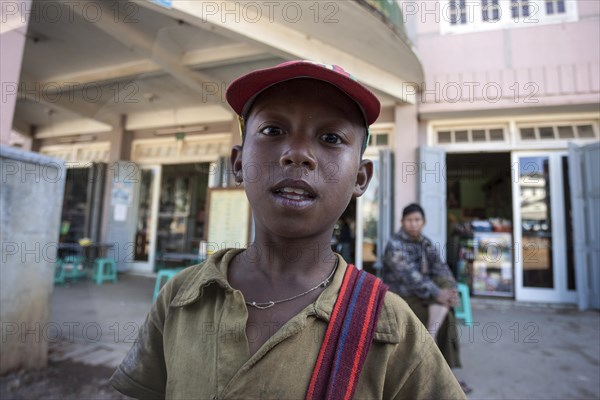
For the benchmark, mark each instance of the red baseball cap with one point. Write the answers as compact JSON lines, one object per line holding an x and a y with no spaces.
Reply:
{"x":242,"y":91}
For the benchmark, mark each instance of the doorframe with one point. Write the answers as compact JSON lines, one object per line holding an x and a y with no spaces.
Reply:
{"x":148,"y":266}
{"x":371,"y":153}
{"x":559,"y":293}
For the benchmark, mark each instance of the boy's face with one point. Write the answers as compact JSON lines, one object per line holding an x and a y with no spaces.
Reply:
{"x":301,"y":159}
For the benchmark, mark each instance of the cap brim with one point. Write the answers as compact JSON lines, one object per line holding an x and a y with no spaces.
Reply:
{"x":243,"y":89}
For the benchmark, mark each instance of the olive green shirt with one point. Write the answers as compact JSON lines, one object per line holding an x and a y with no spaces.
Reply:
{"x":193,"y":345}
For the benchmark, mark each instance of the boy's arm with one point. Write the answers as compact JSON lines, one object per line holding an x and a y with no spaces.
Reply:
{"x":402,"y":269}
{"x":142,"y":374}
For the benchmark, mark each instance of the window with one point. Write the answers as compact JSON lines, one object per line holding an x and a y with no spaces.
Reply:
{"x":470,"y":135}
{"x":559,"y":131}
{"x":478,"y":135}
{"x":444,"y":137}
{"x":379,"y":138}
{"x":458,"y":12}
{"x":467,"y":16}
{"x":555,"y":7}
{"x":461,"y":136}
{"x":519,"y":8}
{"x":585,"y":131}
{"x":496,"y":135}
{"x":490,"y":10}
{"x":546,"y":132}
{"x":566,"y":132}
{"x":527,"y":134}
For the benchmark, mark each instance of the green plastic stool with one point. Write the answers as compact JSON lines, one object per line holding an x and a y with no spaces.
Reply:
{"x":73,"y":267}
{"x":463,"y":311}
{"x":59,"y":272}
{"x":165,"y":274}
{"x":105,"y":269}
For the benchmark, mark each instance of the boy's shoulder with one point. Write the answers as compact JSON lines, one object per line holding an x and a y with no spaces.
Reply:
{"x":187,"y":286}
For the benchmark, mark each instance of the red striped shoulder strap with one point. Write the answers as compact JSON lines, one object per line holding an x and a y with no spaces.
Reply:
{"x":348,"y":337}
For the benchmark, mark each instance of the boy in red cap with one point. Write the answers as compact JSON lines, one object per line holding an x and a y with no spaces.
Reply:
{"x":286,"y":318}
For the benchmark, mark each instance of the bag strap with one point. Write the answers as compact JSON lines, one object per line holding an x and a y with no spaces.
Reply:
{"x":348,"y":336}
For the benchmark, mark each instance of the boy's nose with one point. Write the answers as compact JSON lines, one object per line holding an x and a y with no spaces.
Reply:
{"x":299,"y":154}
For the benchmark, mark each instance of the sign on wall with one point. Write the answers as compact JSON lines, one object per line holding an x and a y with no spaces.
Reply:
{"x":228,"y":219}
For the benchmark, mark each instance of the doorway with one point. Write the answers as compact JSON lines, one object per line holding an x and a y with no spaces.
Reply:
{"x":544,"y":262}
{"x":170,"y":213}
{"x":479,"y":221}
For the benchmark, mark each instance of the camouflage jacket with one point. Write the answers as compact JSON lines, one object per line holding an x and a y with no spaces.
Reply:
{"x":414,"y":268}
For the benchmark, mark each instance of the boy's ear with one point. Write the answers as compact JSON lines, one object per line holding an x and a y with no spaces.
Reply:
{"x":363,"y":177}
{"x":236,"y":163}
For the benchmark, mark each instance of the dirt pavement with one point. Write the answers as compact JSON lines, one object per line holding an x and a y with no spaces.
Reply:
{"x":61,"y":380}
{"x":513,"y":351}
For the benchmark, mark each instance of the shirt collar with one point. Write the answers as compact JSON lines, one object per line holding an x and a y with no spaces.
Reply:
{"x":214,"y":271}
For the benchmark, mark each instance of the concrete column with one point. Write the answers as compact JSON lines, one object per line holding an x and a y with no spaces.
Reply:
{"x":120,"y":150}
{"x":406,"y":144}
{"x":12,"y":46}
{"x":30,"y":206}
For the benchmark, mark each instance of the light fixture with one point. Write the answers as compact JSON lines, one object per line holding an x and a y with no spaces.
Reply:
{"x":181,"y":129}
{"x":78,"y":139}
{"x":150,"y":97}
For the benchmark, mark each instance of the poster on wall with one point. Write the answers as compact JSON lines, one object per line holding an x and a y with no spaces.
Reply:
{"x":228,"y":219}
{"x":122,"y":193}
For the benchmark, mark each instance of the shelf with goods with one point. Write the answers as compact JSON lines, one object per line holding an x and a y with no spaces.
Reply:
{"x":485,"y":263}
{"x":466,"y":255}
{"x":493,"y":264}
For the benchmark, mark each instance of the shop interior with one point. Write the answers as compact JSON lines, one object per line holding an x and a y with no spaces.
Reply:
{"x":82,"y":205}
{"x":343,"y":240}
{"x":80,"y":216}
{"x":479,"y":204}
{"x":75,"y":212}
{"x":181,"y":214}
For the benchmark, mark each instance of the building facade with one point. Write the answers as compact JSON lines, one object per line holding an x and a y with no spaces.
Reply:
{"x":510,"y":99}
{"x":131,"y":96}
{"x":489,"y":111}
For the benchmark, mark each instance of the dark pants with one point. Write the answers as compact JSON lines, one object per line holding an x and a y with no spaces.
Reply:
{"x":447,"y":335}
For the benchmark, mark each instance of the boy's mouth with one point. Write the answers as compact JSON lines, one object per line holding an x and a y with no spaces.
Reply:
{"x":294,"y":192}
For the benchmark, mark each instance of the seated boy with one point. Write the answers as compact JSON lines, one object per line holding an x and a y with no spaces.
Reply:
{"x":279,"y":319}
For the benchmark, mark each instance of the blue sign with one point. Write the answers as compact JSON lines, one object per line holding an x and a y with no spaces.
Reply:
{"x":164,"y":3}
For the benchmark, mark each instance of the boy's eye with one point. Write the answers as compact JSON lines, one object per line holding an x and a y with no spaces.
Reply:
{"x":331,"y":138}
{"x":271,"y":131}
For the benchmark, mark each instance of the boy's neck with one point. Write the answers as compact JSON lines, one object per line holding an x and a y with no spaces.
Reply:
{"x":284,"y":257}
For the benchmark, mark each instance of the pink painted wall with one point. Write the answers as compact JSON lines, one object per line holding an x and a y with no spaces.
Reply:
{"x":551,"y":64}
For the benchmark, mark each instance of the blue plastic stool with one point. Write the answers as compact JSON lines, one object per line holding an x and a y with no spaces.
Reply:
{"x":165,"y":274}
{"x":463,"y":311}
{"x":105,"y":269}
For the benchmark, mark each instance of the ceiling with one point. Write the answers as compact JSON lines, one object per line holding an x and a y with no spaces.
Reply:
{"x":86,"y":70}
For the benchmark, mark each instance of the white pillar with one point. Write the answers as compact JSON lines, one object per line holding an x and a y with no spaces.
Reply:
{"x":14,"y":19}
{"x":406,"y":145}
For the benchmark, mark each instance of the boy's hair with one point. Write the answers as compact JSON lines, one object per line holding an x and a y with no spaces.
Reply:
{"x":413,"y":208}
{"x":242,"y":92}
